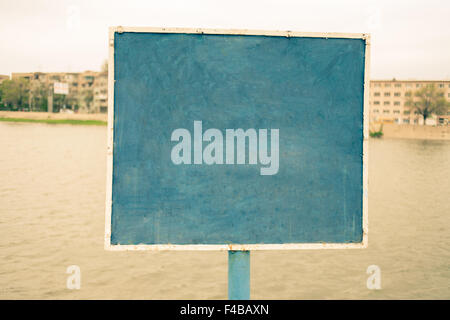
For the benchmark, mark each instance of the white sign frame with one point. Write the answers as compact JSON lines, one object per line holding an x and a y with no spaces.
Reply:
{"x":226,"y":247}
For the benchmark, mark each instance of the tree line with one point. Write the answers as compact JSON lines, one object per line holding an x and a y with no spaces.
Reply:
{"x":24,"y":95}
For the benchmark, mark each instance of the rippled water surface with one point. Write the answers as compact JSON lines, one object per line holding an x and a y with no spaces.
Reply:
{"x":52,"y":194}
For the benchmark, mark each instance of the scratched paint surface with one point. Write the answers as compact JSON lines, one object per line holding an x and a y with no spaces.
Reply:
{"x":311,"y":89}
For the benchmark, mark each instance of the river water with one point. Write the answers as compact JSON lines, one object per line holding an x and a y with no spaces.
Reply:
{"x":52,"y":195}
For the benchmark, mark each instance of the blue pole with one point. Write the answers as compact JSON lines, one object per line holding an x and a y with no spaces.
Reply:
{"x":239,"y":275}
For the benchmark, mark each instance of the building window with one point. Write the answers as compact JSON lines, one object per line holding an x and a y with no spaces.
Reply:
{"x":441,"y":85}
{"x":405,"y":120}
{"x":386,"y":103}
{"x":396,"y":103}
{"x":376,"y":102}
{"x":398,"y":85}
{"x":418,"y":85}
{"x":409,"y":85}
{"x":377,"y":85}
{"x":376,"y":110}
{"x":397,"y":120}
{"x":408,"y":94}
{"x":397,"y":111}
{"x":416,"y":121}
{"x":385,"y":111}
{"x":376,"y":94}
{"x":397,"y":94}
{"x":406,"y":112}
{"x":387,"y":94}
{"x":387,"y":85}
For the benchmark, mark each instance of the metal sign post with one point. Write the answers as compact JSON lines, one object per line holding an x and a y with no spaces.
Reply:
{"x":239,"y":275}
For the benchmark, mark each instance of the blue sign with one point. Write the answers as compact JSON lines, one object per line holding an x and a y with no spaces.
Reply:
{"x":236,"y":140}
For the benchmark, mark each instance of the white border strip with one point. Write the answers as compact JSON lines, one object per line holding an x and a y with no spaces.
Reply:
{"x":225,"y":247}
{"x":247,"y":32}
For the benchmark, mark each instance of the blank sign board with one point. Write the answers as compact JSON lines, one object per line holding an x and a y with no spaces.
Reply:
{"x":236,"y":140}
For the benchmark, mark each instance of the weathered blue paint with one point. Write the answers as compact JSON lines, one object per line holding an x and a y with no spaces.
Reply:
{"x":238,"y":275}
{"x":310,"y":88}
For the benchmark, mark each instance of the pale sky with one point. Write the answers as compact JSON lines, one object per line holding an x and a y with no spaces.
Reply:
{"x":410,"y":39}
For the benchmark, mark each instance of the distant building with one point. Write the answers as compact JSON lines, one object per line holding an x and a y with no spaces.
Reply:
{"x":26,"y":75}
{"x":86,"y":90}
{"x":388,"y":97}
{"x":81,"y":87}
{"x":3,"y":78}
{"x":101,"y":93}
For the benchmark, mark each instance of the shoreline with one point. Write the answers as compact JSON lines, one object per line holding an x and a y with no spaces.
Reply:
{"x":56,"y":121}
{"x":390,"y":131}
{"x":415,"y":132}
{"x":99,"y":119}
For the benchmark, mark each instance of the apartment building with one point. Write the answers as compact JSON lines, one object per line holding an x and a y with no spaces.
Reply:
{"x":100,"y":104}
{"x":3,"y":78}
{"x":81,"y":86}
{"x":388,"y":97}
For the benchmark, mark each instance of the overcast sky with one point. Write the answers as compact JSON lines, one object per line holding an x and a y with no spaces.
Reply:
{"x":410,"y":39}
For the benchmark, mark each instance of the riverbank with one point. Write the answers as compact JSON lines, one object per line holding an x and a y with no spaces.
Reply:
{"x":390,"y":130}
{"x":400,"y":131}
{"x":54,"y":118}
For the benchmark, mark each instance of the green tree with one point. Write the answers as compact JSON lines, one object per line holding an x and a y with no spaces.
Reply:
{"x":428,"y":101}
{"x":71,"y":100}
{"x":59,"y":100}
{"x":39,"y":94}
{"x":1,"y":95}
{"x":15,"y":92}
{"x":88,"y":97}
